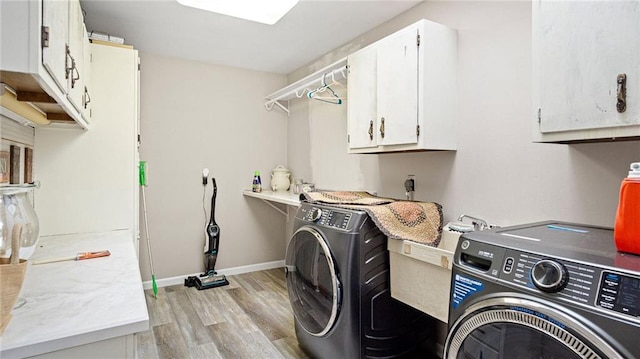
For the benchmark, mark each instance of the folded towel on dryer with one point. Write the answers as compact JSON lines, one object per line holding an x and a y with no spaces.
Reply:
{"x":406,"y":220}
{"x":344,"y":197}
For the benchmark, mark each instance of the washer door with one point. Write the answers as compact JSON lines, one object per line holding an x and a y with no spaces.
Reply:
{"x":312,"y":281}
{"x":511,"y":327}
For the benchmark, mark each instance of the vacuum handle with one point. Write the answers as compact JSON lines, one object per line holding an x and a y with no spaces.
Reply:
{"x":213,"y":201}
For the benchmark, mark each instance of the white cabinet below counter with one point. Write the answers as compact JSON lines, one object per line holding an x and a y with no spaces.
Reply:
{"x":402,"y":91}
{"x":79,"y":309}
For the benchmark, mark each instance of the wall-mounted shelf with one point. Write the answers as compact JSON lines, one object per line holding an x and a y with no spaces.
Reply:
{"x":336,"y":71}
{"x":278,"y":197}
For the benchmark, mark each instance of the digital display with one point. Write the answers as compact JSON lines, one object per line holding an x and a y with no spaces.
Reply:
{"x":629,"y":296}
{"x":337,"y":219}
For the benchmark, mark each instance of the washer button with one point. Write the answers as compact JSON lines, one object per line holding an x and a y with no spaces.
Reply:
{"x":508,"y":265}
{"x":465,"y":244}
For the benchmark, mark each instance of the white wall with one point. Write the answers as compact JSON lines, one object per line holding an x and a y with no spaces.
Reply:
{"x":89,"y":178}
{"x":497,"y":173}
{"x":196,"y":115}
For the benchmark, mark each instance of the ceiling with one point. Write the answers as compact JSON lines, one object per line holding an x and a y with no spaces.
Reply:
{"x":310,"y":30}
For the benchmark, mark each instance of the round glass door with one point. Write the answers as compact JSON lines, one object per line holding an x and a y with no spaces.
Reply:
{"x":312,"y":281}
{"x":523,"y":329}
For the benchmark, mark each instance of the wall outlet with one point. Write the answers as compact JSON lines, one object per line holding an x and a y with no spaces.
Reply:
{"x":205,"y":176}
{"x":410,"y":186}
{"x":410,"y":183}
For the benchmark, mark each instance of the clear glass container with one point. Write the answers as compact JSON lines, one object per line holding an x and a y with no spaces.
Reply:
{"x":18,"y":218}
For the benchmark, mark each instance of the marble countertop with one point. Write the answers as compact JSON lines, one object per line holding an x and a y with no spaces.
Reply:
{"x":73,"y":303}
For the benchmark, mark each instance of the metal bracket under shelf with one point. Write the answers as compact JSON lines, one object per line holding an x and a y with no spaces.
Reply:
{"x":269,"y":105}
{"x":271,"y":198}
{"x":286,"y":214}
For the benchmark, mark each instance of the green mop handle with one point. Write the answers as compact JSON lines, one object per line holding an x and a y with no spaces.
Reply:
{"x":142,"y":173}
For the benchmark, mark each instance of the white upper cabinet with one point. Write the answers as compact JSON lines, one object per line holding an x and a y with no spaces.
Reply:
{"x":75,"y":53}
{"x":361,"y":97}
{"x":402,"y":91}
{"x":586,"y":73}
{"x":397,"y":94}
{"x":55,"y":32}
{"x":44,"y":61}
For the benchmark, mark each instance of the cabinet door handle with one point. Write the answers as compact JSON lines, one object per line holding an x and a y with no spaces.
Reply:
{"x":371,"y":130}
{"x":70,"y":69}
{"x":67,"y":59}
{"x":75,"y":76}
{"x":621,"y":104}
{"x":382,"y":127}
{"x":87,"y":97}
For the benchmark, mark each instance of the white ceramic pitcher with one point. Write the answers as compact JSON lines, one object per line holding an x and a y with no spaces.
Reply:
{"x":280,"y":179}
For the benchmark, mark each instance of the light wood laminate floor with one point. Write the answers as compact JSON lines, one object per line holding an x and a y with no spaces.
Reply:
{"x":249,"y":318}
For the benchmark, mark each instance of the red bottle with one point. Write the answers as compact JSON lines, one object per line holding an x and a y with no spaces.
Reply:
{"x":626,"y":230}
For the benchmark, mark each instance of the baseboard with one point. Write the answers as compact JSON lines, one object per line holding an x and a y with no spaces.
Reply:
{"x":165,"y":282}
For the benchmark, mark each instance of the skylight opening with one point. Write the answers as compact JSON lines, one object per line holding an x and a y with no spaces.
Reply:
{"x":263,"y":11}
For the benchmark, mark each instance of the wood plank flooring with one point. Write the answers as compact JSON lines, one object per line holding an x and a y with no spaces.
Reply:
{"x":249,"y":318}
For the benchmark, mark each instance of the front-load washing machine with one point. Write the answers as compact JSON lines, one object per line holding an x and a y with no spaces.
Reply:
{"x":337,"y":270}
{"x":543,"y":290}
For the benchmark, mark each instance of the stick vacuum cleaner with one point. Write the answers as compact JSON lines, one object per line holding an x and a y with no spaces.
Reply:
{"x":210,"y":278}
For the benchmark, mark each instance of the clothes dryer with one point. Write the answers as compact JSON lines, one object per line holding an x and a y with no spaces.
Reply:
{"x":543,"y":290}
{"x":337,"y":269}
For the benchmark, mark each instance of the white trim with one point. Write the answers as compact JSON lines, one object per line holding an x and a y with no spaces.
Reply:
{"x":165,"y":282}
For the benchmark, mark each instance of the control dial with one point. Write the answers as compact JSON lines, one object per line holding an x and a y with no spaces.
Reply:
{"x":315,"y":214}
{"x":549,"y":276}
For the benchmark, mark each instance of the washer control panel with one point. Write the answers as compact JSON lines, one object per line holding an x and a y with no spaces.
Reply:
{"x":575,"y":282}
{"x":328,"y":217}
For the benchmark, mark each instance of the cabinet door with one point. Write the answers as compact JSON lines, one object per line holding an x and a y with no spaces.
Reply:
{"x":397,"y":88}
{"x":55,"y":21}
{"x":75,"y":80}
{"x":86,"y":70}
{"x":361,"y":97}
{"x":582,"y":47}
